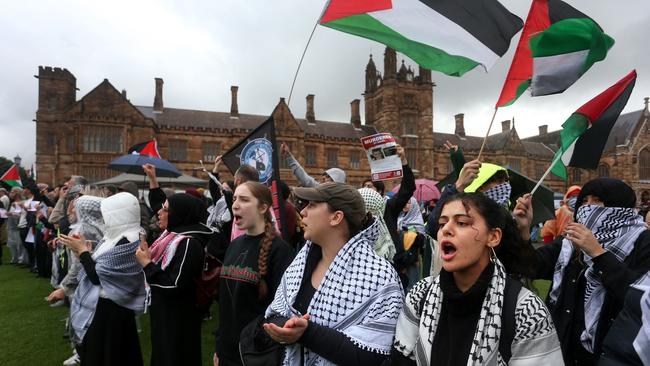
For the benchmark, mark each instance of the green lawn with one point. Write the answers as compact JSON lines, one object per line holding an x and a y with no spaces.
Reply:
{"x":31,"y":332}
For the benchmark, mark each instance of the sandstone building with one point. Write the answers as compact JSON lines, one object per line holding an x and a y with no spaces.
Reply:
{"x":82,"y":136}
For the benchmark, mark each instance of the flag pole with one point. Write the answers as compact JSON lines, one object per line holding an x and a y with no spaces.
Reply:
{"x":488,"y":133}
{"x":539,"y":183}
{"x":305,"y":51}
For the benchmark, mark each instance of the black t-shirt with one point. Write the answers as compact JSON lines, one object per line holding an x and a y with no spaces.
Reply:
{"x":239,"y":301}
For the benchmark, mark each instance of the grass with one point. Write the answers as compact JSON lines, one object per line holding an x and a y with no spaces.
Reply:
{"x":31,"y":332}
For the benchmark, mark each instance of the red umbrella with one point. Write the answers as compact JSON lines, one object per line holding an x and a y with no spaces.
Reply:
{"x":425,"y":190}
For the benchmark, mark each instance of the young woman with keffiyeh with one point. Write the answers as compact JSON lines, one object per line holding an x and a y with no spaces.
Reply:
{"x":252,"y":268}
{"x":458,"y":318}
{"x":111,"y":287}
{"x":172,"y":265}
{"x":591,"y":265}
{"x":338,"y":301}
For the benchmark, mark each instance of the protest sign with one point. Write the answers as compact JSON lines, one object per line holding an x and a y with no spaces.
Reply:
{"x":381,"y":150}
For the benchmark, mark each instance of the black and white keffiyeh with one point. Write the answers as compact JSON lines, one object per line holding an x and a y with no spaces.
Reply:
{"x":642,"y":340}
{"x":218,"y":214}
{"x":122,"y":281}
{"x":376,"y":205}
{"x":90,"y":222}
{"x":360,"y":296}
{"x":616,"y":229}
{"x":500,"y":194}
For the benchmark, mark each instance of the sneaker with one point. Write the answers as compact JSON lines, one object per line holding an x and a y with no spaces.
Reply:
{"x":73,"y":360}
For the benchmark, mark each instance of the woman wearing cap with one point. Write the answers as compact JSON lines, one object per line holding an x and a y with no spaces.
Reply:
{"x":338,"y":301}
{"x":111,"y":287}
{"x":252,"y":268}
{"x":473,"y":313}
{"x":172,"y":265}
{"x":591,"y":265}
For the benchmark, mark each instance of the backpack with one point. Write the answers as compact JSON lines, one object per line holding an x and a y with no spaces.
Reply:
{"x":511,"y":293}
{"x":207,"y":285}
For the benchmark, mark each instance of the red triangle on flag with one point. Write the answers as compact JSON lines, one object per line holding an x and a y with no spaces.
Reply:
{"x":337,"y":9}
{"x":11,"y":174}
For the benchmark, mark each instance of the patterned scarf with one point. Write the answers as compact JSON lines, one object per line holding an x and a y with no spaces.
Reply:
{"x":616,"y":229}
{"x":642,"y":341}
{"x":376,"y":205}
{"x":360,"y":296}
{"x":412,"y":218}
{"x":89,"y":223}
{"x":164,"y":248}
{"x":500,"y":194}
{"x":218,"y":214}
{"x":122,"y":281}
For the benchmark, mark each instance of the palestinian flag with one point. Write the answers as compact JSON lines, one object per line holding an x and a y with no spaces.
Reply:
{"x":11,"y":177}
{"x":149,"y":148}
{"x":557,"y":46}
{"x":452,"y":37}
{"x":585,"y":133}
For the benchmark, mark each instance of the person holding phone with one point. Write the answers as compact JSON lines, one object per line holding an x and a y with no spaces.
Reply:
{"x":171,"y":265}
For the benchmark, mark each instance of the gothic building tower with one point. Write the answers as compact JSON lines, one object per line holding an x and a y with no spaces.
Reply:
{"x":402,"y":104}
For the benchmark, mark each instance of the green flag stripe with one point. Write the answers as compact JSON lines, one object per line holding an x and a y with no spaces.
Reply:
{"x":521,"y":88}
{"x":366,"y":26}
{"x":571,"y":35}
{"x":572,"y":128}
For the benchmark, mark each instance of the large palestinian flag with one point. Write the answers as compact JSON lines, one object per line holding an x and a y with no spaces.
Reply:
{"x":452,"y":37}
{"x":557,"y":46}
{"x":11,"y":177}
{"x":585,"y":133}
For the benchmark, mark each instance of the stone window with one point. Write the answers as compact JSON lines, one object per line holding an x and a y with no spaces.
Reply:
{"x":310,"y":156}
{"x":332,"y":158}
{"x":50,"y":141}
{"x":577,"y":176}
{"x":177,"y":150}
{"x":95,"y":173}
{"x":603,"y":171}
{"x":539,"y":171}
{"x":408,"y":99}
{"x":412,"y":157}
{"x":283,"y":161}
{"x":103,"y":139}
{"x":71,"y":143}
{"x":644,"y":164}
{"x":210,"y":151}
{"x":355,"y":162}
{"x":515,"y":164}
{"x":409,"y":124}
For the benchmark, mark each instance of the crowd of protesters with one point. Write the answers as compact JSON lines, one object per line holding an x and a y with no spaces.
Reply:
{"x":349,"y":277}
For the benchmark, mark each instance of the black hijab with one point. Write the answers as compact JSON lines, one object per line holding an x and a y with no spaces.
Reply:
{"x":613,"y":193}
{"x":185,"y":210}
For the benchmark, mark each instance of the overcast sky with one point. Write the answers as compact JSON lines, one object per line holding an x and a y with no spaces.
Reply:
{"x":201,"y":48}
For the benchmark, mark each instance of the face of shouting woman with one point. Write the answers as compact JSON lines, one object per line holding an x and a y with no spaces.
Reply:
{"x":465,"y":238}
{"x":163,"y":216}
{"x":248,"y":213}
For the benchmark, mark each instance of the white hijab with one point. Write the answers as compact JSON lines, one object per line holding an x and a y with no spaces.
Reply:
{"x":121,"y":213}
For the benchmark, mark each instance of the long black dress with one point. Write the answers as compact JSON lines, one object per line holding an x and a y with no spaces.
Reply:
{"x":175,"y":319}
{"x":112,"y":338}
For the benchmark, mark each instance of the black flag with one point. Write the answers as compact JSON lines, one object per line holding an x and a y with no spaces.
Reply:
{"x":259,"y":150}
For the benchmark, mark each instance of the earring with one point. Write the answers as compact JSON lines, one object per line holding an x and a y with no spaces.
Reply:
{"x":493,"y":255}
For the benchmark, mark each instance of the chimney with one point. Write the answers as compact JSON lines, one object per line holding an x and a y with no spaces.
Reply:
{"x":355,"y":117}
{"x":505,"y":126}
{"x":460,"y":124}
{"x":310,"y":116}
{"x":543,"y":130}
{"x":234,"y":109}
{"x":158,"y":99}
{"x":124,"y":94}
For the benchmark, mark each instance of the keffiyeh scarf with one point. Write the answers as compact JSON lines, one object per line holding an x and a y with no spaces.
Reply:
{"x":416,"y":328}
{"x":360,"y":296}
{"x":642,"y":340}
{"x":122,"y":281}
{"x":164,"y":248}
{"x":89,"y":223}
{"x":616,"y":229}
{"x":376,"y":205}
{"x":500,"y":194}
{"x":218,"y":214}
{"x":412,"y":218}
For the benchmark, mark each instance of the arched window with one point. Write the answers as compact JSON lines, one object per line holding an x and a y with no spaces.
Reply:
{"x":603,"y":171}
{"x":644,"y":164}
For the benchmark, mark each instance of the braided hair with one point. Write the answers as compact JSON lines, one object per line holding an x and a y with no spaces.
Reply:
{"x":263,"y":195}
